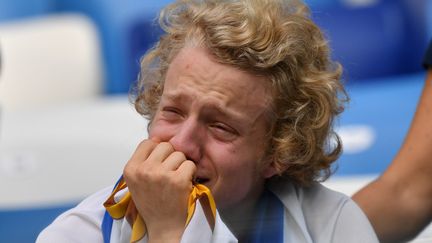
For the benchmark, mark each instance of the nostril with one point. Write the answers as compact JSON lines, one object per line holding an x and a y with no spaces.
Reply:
{"x":189,"y":147}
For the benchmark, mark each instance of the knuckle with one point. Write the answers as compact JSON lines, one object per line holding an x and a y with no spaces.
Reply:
{"x":134,"y":173}
{"x":179,"y":155}
{"x":179,"y":182}
{"x":127,"y":170}
{"x":129,"y":175}
{"x":145,"y":175}
{"x":166,"y":145}
{"x":146,"y":143}
{"x":191,"y":164}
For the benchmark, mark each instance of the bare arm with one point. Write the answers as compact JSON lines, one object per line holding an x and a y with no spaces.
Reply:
{"x":399,"y":203}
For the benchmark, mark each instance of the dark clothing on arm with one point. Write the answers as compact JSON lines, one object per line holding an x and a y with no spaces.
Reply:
{"x":427,"y":60}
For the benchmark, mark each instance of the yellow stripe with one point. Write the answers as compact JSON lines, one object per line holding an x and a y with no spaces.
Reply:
{"x":138,"y":230}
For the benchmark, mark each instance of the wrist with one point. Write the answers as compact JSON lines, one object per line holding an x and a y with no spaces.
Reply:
{"x":165,"y":235}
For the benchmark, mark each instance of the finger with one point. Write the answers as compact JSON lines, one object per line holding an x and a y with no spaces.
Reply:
{"x":187,"y":170}
{"x":174,"y":160}
{"x":160,"y":153}
{"x":155,"y":139}
{"x":142,"y":151}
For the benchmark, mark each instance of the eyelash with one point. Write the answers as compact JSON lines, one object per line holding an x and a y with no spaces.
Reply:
{"x":223,"y":132}
{"x":221,"y":127}
{"x":172,"y":111}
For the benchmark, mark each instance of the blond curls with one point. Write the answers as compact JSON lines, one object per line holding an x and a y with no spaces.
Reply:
{"x":273,"y":38}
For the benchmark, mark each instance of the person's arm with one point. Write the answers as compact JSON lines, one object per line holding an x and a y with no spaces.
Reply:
{"x":399,"y":203}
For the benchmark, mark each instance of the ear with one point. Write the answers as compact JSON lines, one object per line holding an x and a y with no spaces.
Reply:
{"x":269,"y":170}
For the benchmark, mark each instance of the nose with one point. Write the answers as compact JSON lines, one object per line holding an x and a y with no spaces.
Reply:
{"x":188,"y":139}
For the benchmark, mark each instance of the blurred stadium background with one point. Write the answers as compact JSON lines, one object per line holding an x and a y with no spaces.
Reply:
{"x":67,"y":127}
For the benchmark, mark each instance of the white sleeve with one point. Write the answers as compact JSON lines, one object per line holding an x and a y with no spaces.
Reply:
{"x":79,"y":224}
{"x":352,"y":226}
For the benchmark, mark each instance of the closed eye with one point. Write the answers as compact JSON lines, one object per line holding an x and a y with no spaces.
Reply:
{"x":171,"y":109}
{"x":171,"y":112}
{"x":223,"y":132}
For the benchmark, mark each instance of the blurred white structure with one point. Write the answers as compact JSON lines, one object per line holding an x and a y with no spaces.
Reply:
{"x":49,"y":59}
{"x":62,"y":153}
{"x":60,"y":139}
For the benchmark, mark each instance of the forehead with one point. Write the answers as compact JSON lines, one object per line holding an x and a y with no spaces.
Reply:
{"x":194,"y":69}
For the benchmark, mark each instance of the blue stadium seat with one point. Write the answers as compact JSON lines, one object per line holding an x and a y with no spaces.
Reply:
{"x":17,"y":9}
{"x":118,"y":22}
{"x":24,"y":225}
{"x":322,"y":4}
{"x":373,"y":40}
{"x":376,"y":40}
{"x":377,"y":118}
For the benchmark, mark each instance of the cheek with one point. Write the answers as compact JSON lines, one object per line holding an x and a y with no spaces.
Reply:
{"x":232,"y":158}
{"x":161,"y":130}
{"x":234,"y":166}
{"x":236,"y":174}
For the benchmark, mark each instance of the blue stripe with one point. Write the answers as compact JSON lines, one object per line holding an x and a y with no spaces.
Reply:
{"x":107,"y":222}
{"x":106,"y":227}
{"x":269,"y":226}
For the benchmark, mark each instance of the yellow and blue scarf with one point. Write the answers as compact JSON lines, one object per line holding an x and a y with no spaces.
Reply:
{"x":268,"y":226}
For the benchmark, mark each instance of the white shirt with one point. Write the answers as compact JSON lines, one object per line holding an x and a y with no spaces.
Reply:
{"x":314,"y":214}
{"x":318,"y":214}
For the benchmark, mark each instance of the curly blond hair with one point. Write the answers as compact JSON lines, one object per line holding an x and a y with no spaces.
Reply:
{"x":273,"y":38}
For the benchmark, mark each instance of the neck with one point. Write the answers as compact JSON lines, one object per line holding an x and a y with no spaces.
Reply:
{"x":241,"y":219}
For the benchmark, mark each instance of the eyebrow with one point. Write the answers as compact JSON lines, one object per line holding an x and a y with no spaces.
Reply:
{"x":175,"y":97}
{"x":211,"y":107}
